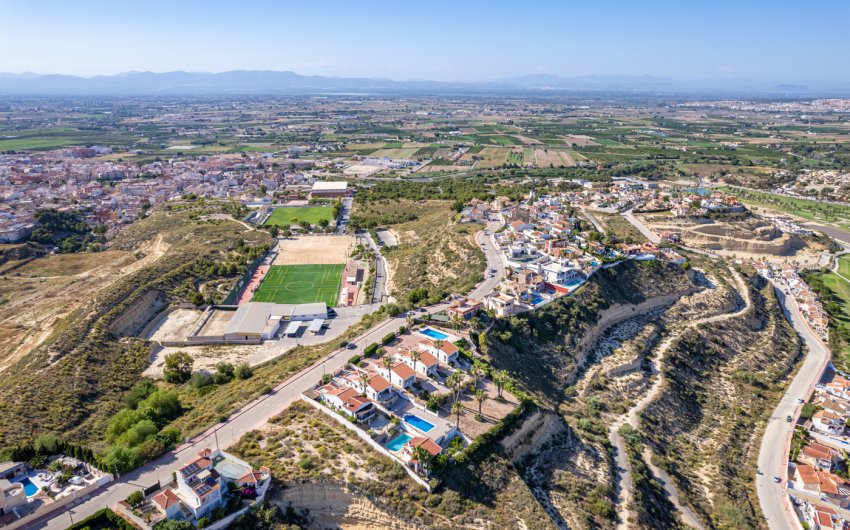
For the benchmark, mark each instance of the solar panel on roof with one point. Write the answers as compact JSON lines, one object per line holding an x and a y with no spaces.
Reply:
{"x":203,"y":488}
{"x":191,"y":469}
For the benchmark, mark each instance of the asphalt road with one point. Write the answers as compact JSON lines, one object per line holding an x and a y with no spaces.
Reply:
{"x":773,"y":455}
{"x":650,"y":235}
{"x":252,"y":416}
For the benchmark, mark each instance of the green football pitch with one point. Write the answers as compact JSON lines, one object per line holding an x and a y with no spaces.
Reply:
{"x":300,"y":284}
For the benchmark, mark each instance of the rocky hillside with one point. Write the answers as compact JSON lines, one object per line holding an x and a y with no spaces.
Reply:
{"x":722,"y":381}
{"x":548,"y":348}
{"x":73,"y":381}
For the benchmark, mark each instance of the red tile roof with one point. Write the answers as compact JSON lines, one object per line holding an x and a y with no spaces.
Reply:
{"x":403,"y":371}
{"x":427,"y":443}
{"x":166,"y":498}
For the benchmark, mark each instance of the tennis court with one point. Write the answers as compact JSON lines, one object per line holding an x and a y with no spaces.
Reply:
{"x":300,"y":284}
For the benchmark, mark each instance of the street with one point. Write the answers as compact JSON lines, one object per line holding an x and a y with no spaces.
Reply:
{"x":253,"y":415}
{"x":773,"y":454}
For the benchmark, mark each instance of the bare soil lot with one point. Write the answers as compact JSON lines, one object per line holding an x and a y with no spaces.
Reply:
{"x":314,"y":249}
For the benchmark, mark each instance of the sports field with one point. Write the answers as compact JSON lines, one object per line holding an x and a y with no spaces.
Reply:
{"x":300,"y":284}
{"x":290,"y":215}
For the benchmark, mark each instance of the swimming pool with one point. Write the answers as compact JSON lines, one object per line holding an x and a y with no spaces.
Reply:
{"x":433,"y":333}
{"x":398,"y":442}
{"x":418,"y":422}
{"x":30,"y":489}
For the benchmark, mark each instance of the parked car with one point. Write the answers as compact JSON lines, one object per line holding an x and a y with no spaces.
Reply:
{"x":351,"y":346}
{"x":789,"y":419}
{"x":777,"y":478}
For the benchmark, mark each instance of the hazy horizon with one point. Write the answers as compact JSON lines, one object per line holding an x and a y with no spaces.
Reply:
{"x":769,"y":42}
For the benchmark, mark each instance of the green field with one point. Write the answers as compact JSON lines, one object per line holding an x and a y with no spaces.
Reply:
{"x":300,"y":284}
{"x":807,"y":209}
{"x":299,"y":214}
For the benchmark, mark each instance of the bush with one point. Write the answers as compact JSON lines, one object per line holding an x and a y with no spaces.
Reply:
{"x":243,"y":371}
{"x":223,"y":373}
{"x":200,"y":380}
{"x":136,"y":498}
{"x":204,"y":522}
{"x":355,"y":360}
{"x":178,"y":367}
{"x":370,"y":350}
{"x":388,"y":338}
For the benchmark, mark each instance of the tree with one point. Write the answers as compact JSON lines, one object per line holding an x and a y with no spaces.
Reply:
{"x":47,"y":444}
{"x":415,"y":356}
{"x":422,"y":457}
{"x":178,"y":367}
{"x":364,"y":380}
{"x":136,"y":498}
{"x":500,"y":379}
{"x":243,"y":371}
{"x":274,"y":230}
{"x":323,"y":223}
{"x":263,"y":189}
{"x":457,"y":410}
{"x":480,"y":397}
{"x":387,"y":362}
{"x":455,"y":382}
{"x":456,"y":321}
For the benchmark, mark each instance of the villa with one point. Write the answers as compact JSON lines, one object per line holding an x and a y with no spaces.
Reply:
{"x":464,"y":308}
{"x":348,"y":401}
{"x":402,"y":375}
{"x":426,"y":364}
{"x":447,"y":353}
{"x":200,"y":485}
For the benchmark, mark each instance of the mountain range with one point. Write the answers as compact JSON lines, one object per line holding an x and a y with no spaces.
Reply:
{"x":268,"y":82}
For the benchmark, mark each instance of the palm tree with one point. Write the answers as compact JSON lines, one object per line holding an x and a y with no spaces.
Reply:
{"x":500,"y":378}
{"x":457,"y":410}
{"x":422,"y":457}
{"x":480,"y":397}
{"x":364,"y":380}
{"x":456,"y":321}
{"x":415,"y":356}
{"x":438,"y":343}
{"x":455,"y":382}
{"x":476,"y":372}
{"x":409,"y":320}
{"x":387,"y":363}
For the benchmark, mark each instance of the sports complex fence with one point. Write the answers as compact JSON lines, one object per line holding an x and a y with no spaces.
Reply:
{"x":245,"y":279}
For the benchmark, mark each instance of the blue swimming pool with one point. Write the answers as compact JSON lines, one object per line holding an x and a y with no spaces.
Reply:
{"x":418,"y":422}
{"x":29,"y":488}
{"x":434,"y":334}
{"x":398,"y":442}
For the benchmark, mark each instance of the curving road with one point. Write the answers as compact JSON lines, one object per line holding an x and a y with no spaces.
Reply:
{"x":253,"y":415}
{"x":773,"y":454}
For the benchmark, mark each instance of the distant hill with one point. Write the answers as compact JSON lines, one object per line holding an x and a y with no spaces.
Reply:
{"x":261,"y":82}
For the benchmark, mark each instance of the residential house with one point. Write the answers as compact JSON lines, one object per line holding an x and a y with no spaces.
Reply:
{"x":819,"y":456}
{"x":169,"y":504}
{"x":426,"y":365}
{"x":559,"y":273}
{"x":828,"y":421}
{"x":501,"y":304}
{"x":823,"y":484}
{"x":199,"y":485}
{"x":401,"y":375}
{"x":348,"y":401}
{"x":464,"y":308}
{"x":447,"y":353}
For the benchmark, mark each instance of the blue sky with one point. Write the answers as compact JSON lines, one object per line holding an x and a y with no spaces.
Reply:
{"x":441,"y":40}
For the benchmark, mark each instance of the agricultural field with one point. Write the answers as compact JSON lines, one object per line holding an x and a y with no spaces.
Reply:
{"x":291,"y":215}
{"x":300,"y":284}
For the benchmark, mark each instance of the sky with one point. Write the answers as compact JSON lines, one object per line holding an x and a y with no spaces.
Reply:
{"x":460,"y":40}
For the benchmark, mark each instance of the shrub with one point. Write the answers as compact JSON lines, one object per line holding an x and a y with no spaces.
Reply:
{"x":178,"y":367}
{"x":200,"y":380}
{"x":135,"y":498}
{"x":243,"y":371}
{"x":388,"y":338}
{"x":355,"y":360}
{"x":204,"y":522}
{"x":370,"y":350}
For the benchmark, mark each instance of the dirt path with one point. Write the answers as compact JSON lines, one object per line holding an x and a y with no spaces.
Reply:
{"x":623,"y":484}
